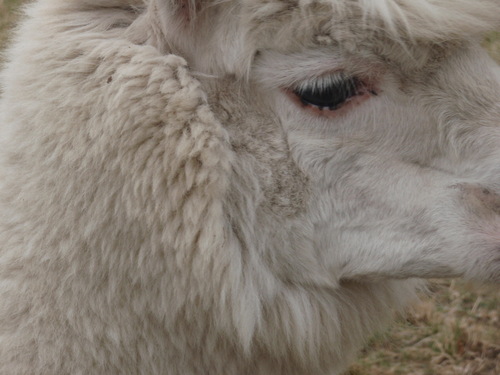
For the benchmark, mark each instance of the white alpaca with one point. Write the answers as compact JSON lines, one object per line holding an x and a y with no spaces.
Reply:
{"x":238,"y":187}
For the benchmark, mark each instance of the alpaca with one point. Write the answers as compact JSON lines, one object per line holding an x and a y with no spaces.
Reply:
{"x":238,"y":187}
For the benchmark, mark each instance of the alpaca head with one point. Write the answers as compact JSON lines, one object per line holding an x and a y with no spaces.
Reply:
{"x":373,"y":129}
{"x":366,"y":136}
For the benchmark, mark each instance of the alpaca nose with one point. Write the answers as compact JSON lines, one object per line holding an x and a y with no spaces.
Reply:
{"x":479,"y":199}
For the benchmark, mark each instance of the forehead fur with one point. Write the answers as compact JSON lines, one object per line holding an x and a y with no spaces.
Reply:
{"x":347,"y":21}
{"x":430,"y":19}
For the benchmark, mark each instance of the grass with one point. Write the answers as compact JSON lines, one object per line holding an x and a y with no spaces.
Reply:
{"x":455,"y":330}
{"x":8,"y":16}
{"x":492,"y":43}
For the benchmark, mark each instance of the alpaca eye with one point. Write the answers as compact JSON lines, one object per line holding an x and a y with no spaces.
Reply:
{"x":328,"y":92}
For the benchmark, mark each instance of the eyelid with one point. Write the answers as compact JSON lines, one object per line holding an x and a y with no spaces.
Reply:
{"x":328,"y":93}
{"x":322,"y":83}
{"x":276,"y":70}
{"x":362,"y":92}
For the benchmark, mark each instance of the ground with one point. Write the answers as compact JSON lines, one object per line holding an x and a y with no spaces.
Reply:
{"x":7,"y":17}
{"x":454,"y":330}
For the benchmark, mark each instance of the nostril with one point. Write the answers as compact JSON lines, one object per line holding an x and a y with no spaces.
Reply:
{"x":490,"y":200}
{"x":479,"y":199}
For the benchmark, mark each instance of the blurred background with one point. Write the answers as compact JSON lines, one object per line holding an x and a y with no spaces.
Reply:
{"x":453,"y":330}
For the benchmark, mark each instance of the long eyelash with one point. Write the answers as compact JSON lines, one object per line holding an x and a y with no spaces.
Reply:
{"x":320,"y":84}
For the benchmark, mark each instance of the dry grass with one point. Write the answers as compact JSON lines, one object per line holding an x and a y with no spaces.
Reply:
{"x":492,"y":42}
{"x":453,"y":331}
{"x":8,"y":17}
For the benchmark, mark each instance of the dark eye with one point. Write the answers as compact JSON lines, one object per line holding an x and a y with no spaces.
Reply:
{"x":328,"y":92}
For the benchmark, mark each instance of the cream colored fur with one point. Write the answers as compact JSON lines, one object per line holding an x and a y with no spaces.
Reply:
{"x":166,"y":208}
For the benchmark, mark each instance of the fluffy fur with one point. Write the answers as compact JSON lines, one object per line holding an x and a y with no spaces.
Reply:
{"x":167,"y":208}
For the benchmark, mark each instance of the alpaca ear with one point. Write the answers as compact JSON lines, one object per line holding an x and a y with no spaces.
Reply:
{"x":172,"y":24}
